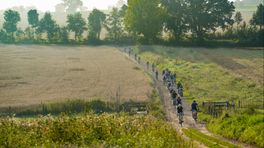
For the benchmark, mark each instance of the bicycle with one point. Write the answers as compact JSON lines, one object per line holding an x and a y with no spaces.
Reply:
{"x":180,"y":118}
{"x":194,"y":115}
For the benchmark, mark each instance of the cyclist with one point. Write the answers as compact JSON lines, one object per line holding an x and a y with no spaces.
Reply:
{"x":179,"y":85}
{"x":153,"y":67}
{"x":157,"y":75}
{"x":194,"y":110}
{"x":180,"y":113}
{"x":179,"y":101}
{"x":180,"y":91}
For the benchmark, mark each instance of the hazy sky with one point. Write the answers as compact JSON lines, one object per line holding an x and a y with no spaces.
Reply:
{"x":49,"y":5}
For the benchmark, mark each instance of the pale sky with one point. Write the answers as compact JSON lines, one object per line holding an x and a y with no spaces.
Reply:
{"x":49,"y":5}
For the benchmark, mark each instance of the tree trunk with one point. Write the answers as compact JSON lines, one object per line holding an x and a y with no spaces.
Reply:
{"x":98,"y":35}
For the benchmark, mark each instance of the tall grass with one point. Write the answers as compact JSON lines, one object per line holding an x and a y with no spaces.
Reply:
{"x":92,"y":130}
{"x":243,"y":127}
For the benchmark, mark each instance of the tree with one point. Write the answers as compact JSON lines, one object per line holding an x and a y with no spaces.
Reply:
{"x":63,"y":35}
{"x":114,"y":25}
{"x":176,"y":17}
{"x":33,"y":19}
{"x":76,"y":24}
{"x":11,"y":19}
{"x":95,"y":23}
{"x":48,"y":25}
{"x":72,"y":5}
{"x":207,"y":15}
{"x":123,"y":10}
{"x":144,"y":17}
{"x":238,"y":18}
{"x":258,"y":16}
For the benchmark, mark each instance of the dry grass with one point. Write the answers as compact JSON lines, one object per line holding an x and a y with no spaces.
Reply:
{"x":34,"y":74}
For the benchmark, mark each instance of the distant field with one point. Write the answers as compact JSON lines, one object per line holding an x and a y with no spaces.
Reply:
{"x":34,"y":74}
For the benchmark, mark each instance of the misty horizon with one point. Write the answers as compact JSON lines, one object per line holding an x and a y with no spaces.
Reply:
{"x":43,"y":6}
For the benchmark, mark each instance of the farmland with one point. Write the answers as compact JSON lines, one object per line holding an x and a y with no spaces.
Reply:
{"x":45,"y":74}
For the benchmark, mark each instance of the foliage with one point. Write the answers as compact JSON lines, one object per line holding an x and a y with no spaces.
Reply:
{"x":33,"y":19}
{"x":188,"y":22}
{"x":48,"y":25}
{"x":95,"y":23}
{"x":4,"y":37}
{"x":64,"y":35}
{"x":176,"y":17}
{"x":106,"y":130}
{"x":144,"y":17}
{"x":242,"y":127}
{"x":11,"y":19}
{"x":245,"y":35}
{"x":76,"y":24}
{"x":258,"y":16}
{"x":238,"y":18}
{"x":114,"y":25}
{"x":155,"y":106}
{"x":207,"y":15}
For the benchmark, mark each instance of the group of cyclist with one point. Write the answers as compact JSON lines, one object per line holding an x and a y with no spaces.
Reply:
{"x":176,"y":90}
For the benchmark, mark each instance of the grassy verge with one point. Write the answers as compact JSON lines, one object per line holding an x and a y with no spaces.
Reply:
{"x":248,"y":128}
{"x":105,"y":130}
{"x":207,"y":140}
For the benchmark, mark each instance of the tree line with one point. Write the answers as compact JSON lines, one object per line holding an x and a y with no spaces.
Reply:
{"x":145,"y":21}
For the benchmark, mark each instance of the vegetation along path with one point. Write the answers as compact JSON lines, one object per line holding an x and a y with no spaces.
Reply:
{"x":194,"y":130}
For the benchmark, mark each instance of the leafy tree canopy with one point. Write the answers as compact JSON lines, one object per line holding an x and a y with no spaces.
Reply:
{"x":176,"y":17}
{"x":33,"y":17}
{"x":144,"y":17}
{"x":207,"y":15}
{"x":258,"y":16}
{"x":76,"y":24}
{"x":238,"y":18}
{"x":48,"y":25}
{"x":95,"y":23}
{"x":114,"y":25}
{"x":11,"y":19}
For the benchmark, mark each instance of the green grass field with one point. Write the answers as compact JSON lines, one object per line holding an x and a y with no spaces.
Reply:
{"x":218,"y":75}
{"x":212,"y":74}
